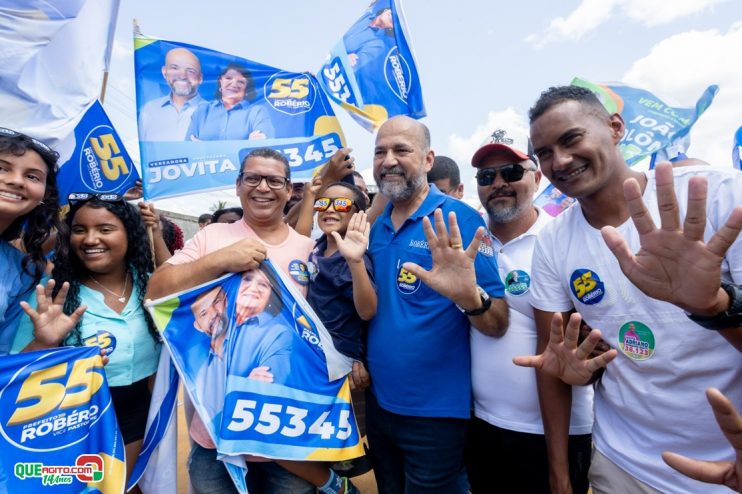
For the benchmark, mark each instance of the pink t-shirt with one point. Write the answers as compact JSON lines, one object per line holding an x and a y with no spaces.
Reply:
{"x":290,"y":256}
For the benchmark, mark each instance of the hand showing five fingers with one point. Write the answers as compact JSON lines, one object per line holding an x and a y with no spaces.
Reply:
{"x":563,"y":358}
{"x":453,"y":273}
{"x":51,"y":324}
{"x":354,"y":245}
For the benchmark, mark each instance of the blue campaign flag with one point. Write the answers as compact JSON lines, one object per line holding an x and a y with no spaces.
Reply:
{"x":199,"y":111}
{"x":261,"y":370}
{"x":737,"y":150}
{"x":58,"y":424}
{"x":372,"y":72}
{"x":99,"y":162}
{"x":651,"y":124}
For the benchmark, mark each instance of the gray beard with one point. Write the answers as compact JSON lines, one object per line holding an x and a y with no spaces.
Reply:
{"x":398,"y":192}
{"x":504,"y":215}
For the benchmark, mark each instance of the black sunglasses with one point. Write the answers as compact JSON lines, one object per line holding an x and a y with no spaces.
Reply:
{"x":510,"y":173}
{"x":78,"y":197}
{"x":38,"y":145}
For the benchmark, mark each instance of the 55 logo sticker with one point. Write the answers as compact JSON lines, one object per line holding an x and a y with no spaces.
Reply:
{"x":407,"y":283}
{"x":47,"y":404}
{"x":587,"y":286}
{"x":103,"y":339}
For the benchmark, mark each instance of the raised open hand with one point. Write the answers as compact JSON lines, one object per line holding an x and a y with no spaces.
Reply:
{"x":51,"y":324}
{"x":674,"y":264}
{"x":563,"y":358}
{"x":355,"y":243}
{"x":452,"y":274}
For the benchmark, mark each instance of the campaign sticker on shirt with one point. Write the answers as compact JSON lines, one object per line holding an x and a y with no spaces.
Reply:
{"x":103,"y":339}
{"x":636,"y":340}
{"x":313,"y":270}
{"x":407,"y":282}
{"x":298,"y":270}
{"x":487,"y":247}
{"x":587,"y":286}
{"x":517,"y":282}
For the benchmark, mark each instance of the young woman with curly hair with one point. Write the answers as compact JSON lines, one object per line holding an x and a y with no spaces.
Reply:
{"x":29,"y":205}
{"x":105,"y":258}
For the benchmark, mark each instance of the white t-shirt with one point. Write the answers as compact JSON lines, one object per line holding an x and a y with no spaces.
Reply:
{"x":651,"y":397}
{"x":505,"y":395}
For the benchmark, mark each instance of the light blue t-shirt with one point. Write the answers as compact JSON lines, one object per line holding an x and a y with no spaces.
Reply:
{"x":15,"y":286}
{"x":132,"y":352}
{"x":213,"y":122}
{"x":418,"y":343}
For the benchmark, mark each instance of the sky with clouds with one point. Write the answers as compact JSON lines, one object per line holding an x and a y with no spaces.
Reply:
{"x":481,"y":63}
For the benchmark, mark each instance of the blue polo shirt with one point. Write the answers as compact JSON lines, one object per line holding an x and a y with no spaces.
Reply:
{"x":418,"y":343}
{"x":213,"y":122}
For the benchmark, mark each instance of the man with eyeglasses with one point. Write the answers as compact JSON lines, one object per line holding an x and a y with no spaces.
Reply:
{"x":506,"y":449}
{"x":264,"y":187}
{"x":418,"y":343}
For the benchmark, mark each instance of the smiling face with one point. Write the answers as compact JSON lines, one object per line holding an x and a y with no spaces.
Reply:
{"x":261,"y":204}
{"x":253,"y":294}
{"x":22,"y":185}
{"x":401,"y":159}
{"x":330,"y":220}
{"x":233,"y":86}
{"x":577,"y":147}
{"x":98,"y":239}
{"x":209,"y":311}
{"x":506,"y":201}
{"x":182,"y":71}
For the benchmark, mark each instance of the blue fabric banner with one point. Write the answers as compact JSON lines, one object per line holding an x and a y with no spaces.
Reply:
{"x":261,"y":369}
{"x":371,"y":72}
{"x":737,"y":150}
{"x":200,"y":111}
{"x":58,"y":425}
{"x":99,"y":163}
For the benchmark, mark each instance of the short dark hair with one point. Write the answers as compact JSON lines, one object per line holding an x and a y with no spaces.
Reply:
{"x":267,"y":153}
{"x":219,"y":212}
{"x":445,"y":167}
{"x":204,"y":218}
{"x":359,"y":199}
{"x":555,"y":95}
{"x":249,"y":85}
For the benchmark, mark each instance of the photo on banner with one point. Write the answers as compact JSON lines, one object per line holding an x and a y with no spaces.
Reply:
{"x":260,"y":368}
{"x":200,"y":110}
{"x":58,"y":424}
{"x":371,"y":72}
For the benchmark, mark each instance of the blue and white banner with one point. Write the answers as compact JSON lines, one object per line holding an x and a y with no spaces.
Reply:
{"x":260,"y":369}
{"x":99,"y":163}
{"x":53,"y":58}
{"x":371,"y":72}
{"x":737,"y":150}
{"x":651,"y":124}
{"x":200,"y":111}
{"x":58,"y":425}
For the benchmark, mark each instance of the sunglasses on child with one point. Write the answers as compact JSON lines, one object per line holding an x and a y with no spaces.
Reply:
{"x":510,"y":173}
{"x":78,"y":197}
{"x":339,"y":204}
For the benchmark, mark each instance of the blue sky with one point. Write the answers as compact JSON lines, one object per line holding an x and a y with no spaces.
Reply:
{"x":480,"y":62}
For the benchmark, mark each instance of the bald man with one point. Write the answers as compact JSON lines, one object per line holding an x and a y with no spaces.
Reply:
{"x":418,"y":343}
{"x":168,"y":118}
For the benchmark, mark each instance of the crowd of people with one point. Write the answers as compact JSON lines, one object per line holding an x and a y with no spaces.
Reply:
{"x":628,"y":304}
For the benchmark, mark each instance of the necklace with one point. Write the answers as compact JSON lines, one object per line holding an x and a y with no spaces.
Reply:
{"x":121,"y":298}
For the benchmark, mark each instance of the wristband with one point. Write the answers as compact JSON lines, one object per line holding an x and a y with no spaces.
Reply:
{"x":486,"y":302}
{"x":730,"y":318}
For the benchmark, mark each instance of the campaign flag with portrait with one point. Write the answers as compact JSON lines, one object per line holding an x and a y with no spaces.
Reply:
{"x":99,"y":163}
{"x":260,"y":368}
{"x":371,"y":72}
{"x":58,"y":425}
{"x":201,"y":111}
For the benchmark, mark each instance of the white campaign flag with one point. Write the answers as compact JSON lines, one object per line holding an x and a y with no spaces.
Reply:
{"x":53,"y":54}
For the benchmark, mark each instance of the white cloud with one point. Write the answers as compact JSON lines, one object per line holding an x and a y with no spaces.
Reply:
{"x":679,"y":68}
{"x":592,"y":13}
{"x":461,"y":149}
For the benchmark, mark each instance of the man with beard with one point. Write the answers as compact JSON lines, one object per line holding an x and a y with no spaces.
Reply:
{"x":506,"y":449}
{"x":168,"y":118}
{"x":432,"y":286}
